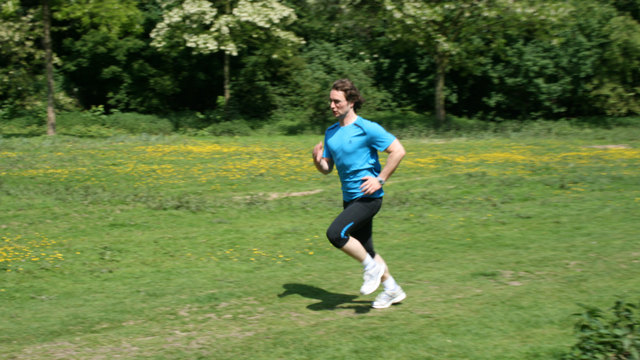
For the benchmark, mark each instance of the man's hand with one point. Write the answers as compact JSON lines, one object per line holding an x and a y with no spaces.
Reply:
{"x":370,"y":185}
{"x":324,"y":165}
{"x":317,"y":152}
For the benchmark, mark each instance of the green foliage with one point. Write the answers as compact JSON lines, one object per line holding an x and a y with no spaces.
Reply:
{"x":230,"y":128}
{"x":292,"y":122}
{"x":102,"y":65}
{"x":607,"y":335}
{"x":501,"y":64}
{"x":28,"y":131}
{"x":589,"y":66}
{"x":90,"y":123}
{"x":616,"y":89}
{"x":306,"y":107}
{"x":7,"y":112}
{"x":188,"y":120}
{"x":91,"y":131}
{"x":112,"y":17}
{"x":95,"y":116}
{"x":459,"y":34}
{"x":25,"y":121}
{"x":21,"y":65}
{"x":135,"y":123}
{"x":608,"y":122}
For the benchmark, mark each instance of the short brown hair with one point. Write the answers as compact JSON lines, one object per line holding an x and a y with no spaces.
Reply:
{"x":350,"y":91}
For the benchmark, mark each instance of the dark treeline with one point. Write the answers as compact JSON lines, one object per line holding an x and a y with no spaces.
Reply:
{"x":268,"y":61}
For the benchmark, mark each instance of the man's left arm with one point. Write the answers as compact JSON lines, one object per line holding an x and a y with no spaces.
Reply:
{"x":396,"y":153}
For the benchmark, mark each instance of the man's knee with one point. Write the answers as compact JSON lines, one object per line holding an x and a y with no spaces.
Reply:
{"x":337,"y":237}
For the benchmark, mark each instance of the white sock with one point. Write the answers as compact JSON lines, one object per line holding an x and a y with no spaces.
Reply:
{"x":390,"y":284}
{"x":368,"y":262}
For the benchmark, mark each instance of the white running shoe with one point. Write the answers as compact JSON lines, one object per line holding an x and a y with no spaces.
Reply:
{"x":387,"y":298}
{"x":372,"y":279}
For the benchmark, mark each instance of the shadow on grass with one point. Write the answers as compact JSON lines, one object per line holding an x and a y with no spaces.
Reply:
{"x":328,"y":300}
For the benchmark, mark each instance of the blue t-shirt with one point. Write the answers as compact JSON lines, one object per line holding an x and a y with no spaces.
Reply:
{"x":354,"y":150}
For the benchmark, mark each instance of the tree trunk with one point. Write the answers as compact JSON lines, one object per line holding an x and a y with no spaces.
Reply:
{"x":51,"y":114}
{"x":441,"y":65}
{"x":227,"y":93}
{"x":227,"y":81}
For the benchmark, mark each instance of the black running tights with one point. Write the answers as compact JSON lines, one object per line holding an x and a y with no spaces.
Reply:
{"x":356,"y":220}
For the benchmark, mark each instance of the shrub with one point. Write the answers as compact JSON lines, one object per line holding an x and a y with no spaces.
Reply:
{"x":94,"y":116}
{"x":93,"y":131}
{"x":626,"y":122}
{"x":25,"y":121}
{"x":135,"y":123}
{"x":296,"y":121}
{"x":73,"y":119}
{"x":612,"y":335}
{"x":7,"y":111}
{"x":230,"y":128}
{"x":406,"y":124}
{"x":31,"y":130}
{"x":189,"y":120}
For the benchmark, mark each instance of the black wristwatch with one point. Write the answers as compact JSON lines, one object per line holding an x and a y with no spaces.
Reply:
{"x":381,"y":181}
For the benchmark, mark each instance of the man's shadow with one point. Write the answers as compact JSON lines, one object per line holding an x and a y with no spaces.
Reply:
{"x":328,"y":300}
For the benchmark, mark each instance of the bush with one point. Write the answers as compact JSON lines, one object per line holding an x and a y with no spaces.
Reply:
{"x":93,"y":131}
{"x":25,"y":121}
{"x":7,"y":111}
{"x":230,"y":128}
{"x":626,"y":122}
{"x":293,"y":122}
{"x":189,"y":120}
{"x":30,"y":130}
{"x":135,"y":123}
{"x":612,"y":335}
{"x":94,"y":116}
{"x":73,"y":119}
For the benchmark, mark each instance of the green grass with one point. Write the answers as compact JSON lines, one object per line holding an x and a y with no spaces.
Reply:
{"x":177,"y":248}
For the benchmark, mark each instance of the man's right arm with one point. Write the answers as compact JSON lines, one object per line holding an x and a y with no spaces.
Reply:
{"x":323,"y":164}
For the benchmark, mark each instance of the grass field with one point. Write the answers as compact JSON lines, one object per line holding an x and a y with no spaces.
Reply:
{"x":214,"y":248}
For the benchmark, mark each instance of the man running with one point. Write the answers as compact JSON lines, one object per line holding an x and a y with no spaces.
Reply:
{"x":352,"y":144}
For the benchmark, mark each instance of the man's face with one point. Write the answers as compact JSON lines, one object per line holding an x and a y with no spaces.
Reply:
{"x":339,"y":104}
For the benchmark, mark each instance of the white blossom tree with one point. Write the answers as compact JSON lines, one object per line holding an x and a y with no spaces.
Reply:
{"x":20,"y":55}
{"x":228,"y":26}
{"x":457,"y":31}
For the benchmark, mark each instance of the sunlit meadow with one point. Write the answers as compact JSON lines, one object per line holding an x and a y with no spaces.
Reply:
{"x":214,"y":248}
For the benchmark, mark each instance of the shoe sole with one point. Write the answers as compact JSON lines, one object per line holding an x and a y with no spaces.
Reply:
{"x":396,"y":300}
{"x":379,"y":280}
